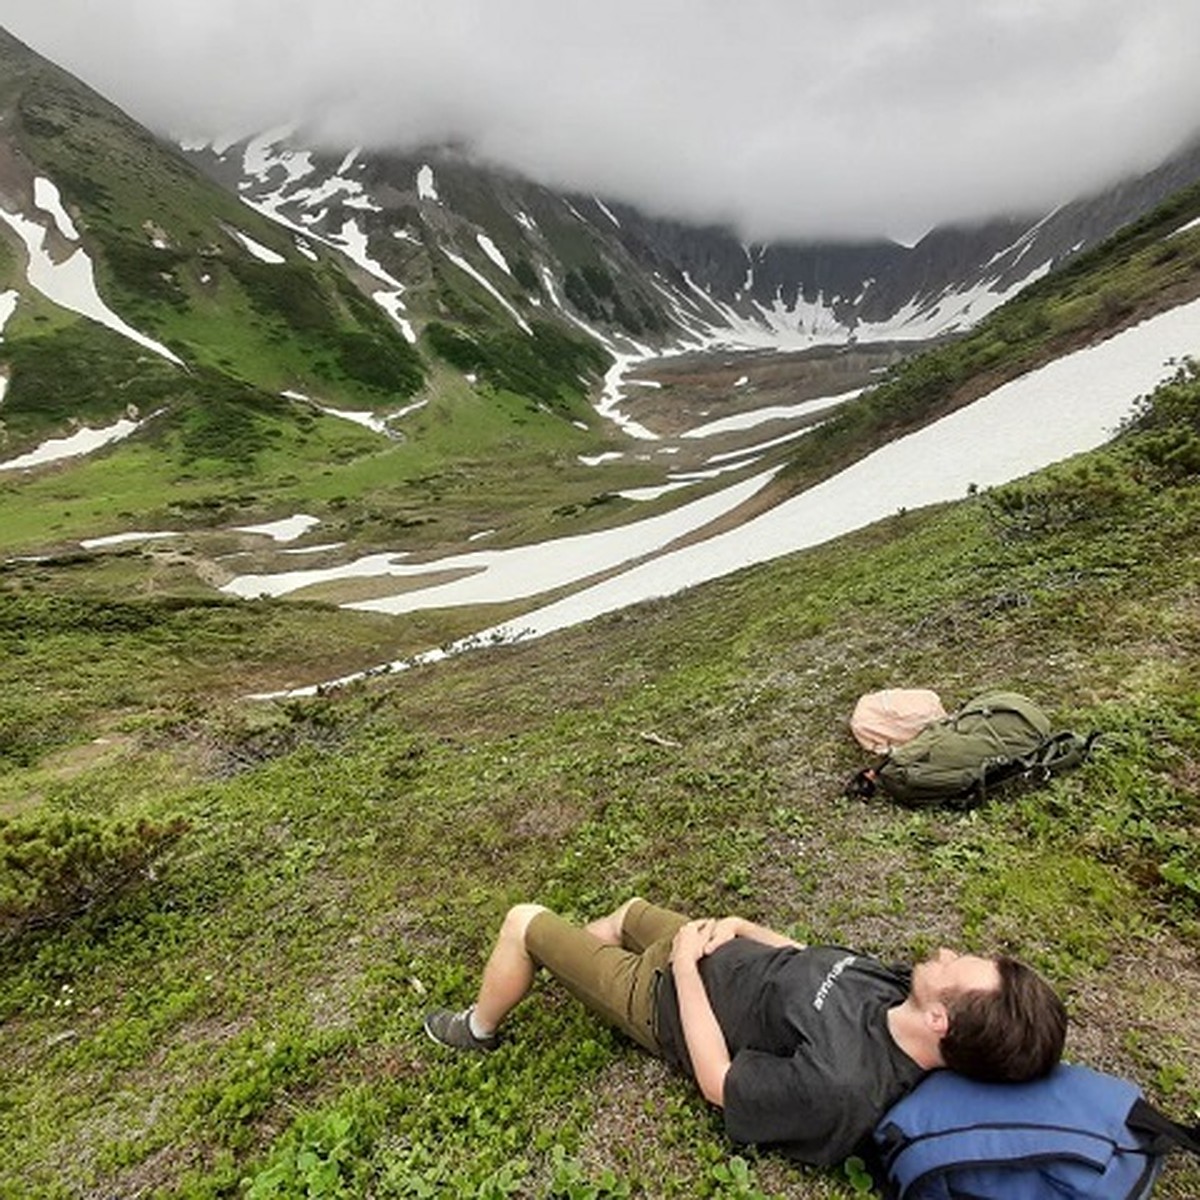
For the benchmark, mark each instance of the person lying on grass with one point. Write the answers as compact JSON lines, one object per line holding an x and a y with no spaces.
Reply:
{"x":802,"y":1048}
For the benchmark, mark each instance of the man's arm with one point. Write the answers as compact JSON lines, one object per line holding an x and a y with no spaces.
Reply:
{"x":705,"y":1041}
{"x":727,"y":928}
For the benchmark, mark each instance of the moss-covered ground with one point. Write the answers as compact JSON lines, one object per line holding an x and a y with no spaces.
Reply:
{"x":223,"y":920}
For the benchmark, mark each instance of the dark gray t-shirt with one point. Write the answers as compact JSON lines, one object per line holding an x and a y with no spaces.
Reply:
{"x":813,"y":1063}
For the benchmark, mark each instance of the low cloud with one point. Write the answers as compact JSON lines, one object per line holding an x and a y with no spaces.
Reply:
{"x":785,"y":118}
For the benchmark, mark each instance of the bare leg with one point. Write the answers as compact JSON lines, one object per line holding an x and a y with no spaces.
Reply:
{"x":508,"y":975}
{"x":609,"y":929}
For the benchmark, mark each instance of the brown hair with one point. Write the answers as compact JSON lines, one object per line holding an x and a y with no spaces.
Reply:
{"x":1011,"y":1034}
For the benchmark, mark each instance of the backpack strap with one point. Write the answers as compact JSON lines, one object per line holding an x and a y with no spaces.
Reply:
{"x":1059,"y":752}
{"x":1145,"y":1118}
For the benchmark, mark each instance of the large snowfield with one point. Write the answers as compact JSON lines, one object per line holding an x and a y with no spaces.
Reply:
{"x":1069,"y":406}
{"x":1074,"y":404}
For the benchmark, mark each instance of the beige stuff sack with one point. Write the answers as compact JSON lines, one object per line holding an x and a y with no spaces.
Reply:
{"x":894,"y":716}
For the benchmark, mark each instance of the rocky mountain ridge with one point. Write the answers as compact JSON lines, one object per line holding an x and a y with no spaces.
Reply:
{"x":626,"y":275}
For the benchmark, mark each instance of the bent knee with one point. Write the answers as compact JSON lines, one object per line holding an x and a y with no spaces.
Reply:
{"x":516,"y":922}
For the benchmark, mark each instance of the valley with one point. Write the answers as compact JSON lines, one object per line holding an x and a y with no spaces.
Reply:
{"x":387,"y":537}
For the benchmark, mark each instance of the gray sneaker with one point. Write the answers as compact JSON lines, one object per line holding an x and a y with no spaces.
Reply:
{"x":453,"y":1029}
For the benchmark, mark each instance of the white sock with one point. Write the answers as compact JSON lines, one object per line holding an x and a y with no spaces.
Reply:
{"x":477,"y":1030}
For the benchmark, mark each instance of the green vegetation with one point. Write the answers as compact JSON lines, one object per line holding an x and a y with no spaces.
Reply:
{"x":57,"y":868}
{"x":593,"y":291}
{"x":222,"y":919}
{"x":238,"y":1014}
{"x":550,"y":365}
{"x":81,"y":370}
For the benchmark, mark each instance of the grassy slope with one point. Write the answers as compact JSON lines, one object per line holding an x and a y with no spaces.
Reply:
{"x":251,"y":1013}
{"x":228,"y":448}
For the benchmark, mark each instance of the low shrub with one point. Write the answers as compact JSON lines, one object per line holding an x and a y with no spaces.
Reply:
{"x":56,"y":867}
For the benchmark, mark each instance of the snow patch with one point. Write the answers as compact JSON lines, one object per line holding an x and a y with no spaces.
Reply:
{"x":612,"y":394}
{"x":760,"y":448}
{"x":606,"y":211}
{"x":8,"y":306}
{"x":71,"y":284}
{"x":368,"y":420}
{"x":250,"y":587}
{"x":257,"y":249}
{"x":493,"y":252}
{"x":391,"y":304}
{"x":314,"y":549}
{"x":654,"y":491}
{"x":773,"y":412}
{"x":46,"y":197}
{"x":286,"y":530}
{"x":426,"y":186}
{"x":85,"y":441}
{"x":119,"y":539}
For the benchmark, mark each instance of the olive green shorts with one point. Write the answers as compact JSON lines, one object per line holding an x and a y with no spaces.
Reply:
{"x":618,"y":983}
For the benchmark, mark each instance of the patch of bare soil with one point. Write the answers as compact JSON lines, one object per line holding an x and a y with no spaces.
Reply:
{"x":374,"y":587}
{"x":697,"y":388}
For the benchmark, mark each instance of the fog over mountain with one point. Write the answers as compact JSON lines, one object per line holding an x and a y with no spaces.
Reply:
{"x":784,"y":118}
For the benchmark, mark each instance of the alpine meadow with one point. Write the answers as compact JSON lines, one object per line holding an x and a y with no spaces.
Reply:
{"x":283,"y":739}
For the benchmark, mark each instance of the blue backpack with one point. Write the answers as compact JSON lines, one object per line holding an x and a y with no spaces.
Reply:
{"x":1075,"y":1134}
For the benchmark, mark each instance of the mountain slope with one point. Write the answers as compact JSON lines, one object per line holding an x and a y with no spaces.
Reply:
{"x":222,"y":920}
{"x":140,"y":296}
{"x":237,"y":1008}
{"x":630,"y":276}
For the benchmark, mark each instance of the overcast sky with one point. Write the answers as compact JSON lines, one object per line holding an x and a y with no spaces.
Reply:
{"x":802,"y":118}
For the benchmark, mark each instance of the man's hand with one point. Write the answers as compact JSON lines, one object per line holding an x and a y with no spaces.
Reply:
{"x":691,"y":941}
{"x":724,"y":930}
{"x":705,"y":1041}
{"x":699,"y":938}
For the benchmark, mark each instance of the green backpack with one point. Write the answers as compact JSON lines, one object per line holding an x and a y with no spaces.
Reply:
{"x":996,"y":737}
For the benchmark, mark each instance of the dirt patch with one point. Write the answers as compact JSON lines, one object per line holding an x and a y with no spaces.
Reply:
{"x":376,"y":587}
{"x":77,"y":760}
{"x":694,"y":389}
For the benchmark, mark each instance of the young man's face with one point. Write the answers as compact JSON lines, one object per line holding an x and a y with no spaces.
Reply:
{"x":946,"y":973}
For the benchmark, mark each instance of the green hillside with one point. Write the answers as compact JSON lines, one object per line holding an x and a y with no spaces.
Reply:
{"x":222,"y":921}
{"x":222,"y":442}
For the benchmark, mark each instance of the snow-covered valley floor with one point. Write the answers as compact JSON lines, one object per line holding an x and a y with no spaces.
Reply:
{"x":1064,"y":408}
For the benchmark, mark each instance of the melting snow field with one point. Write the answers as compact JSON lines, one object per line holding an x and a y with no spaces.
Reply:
{"x":490,"y":576}
{"x":1062,"y":409}
{"x":84,"y":442}
{"x":8,"y":306}
{"x":287,"y":530}
{"x":70,"y":283}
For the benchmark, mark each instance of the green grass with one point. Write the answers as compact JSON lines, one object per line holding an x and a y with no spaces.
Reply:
{"x":224,"y":454}
{"x":270,"y":895}
{"x":246,"y":1019}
